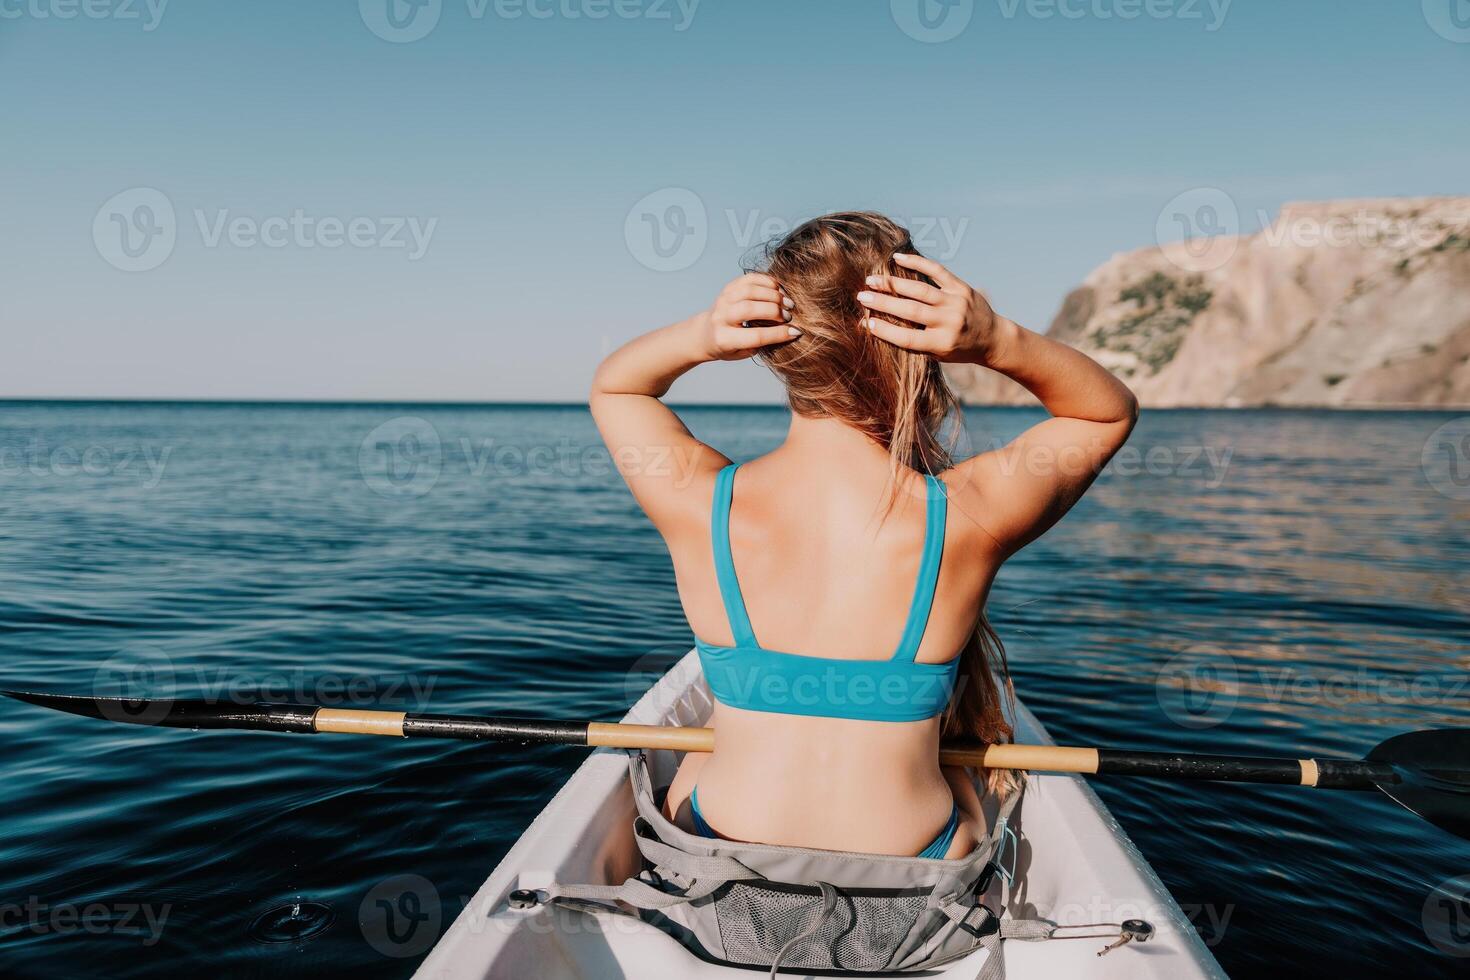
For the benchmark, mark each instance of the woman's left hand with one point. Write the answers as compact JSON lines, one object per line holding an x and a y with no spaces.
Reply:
{"x":959,"y":325}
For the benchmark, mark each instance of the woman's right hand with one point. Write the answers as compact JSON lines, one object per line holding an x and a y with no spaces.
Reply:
{"x":752,"y":298}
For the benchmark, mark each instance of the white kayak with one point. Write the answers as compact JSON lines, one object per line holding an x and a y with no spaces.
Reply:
{"x":1077,"y":866}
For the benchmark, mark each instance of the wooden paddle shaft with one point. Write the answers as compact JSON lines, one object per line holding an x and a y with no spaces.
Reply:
{"x":1051,"y":758}
{"x":1036,"y":758}
{"x":1324,"y":774}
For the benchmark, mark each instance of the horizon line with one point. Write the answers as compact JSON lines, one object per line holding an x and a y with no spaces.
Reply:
{"x":1396,"y":408}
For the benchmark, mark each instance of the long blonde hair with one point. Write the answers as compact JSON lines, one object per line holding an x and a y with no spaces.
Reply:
{"x":899,"y":398}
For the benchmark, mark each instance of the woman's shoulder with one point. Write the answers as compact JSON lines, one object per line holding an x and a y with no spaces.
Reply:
{"x":970,"y":489}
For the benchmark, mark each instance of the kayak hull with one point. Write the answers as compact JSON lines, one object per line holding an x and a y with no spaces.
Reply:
{"x":1076,"y":866}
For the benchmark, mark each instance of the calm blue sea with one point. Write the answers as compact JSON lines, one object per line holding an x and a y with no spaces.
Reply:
{"x":1251,"y":581}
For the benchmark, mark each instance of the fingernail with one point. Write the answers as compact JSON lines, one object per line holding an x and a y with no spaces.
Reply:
{"x":786,"y":313}
{"x":864,"y":296}
{"x":787,"y":301}
{"x":793,"y":331}
{"x":874,"y":281}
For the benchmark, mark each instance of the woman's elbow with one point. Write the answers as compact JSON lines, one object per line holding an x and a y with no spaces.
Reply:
{"x":600,"y":380}
{"x":1130,"y":408}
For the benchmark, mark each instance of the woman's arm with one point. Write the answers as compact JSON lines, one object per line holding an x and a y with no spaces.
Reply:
{"x":1041,"y":474}
{"x":652,"y":449}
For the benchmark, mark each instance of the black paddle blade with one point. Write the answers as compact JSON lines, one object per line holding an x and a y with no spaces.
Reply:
{"x":169,"y":713}
{"x":132,"y":711}
{"x":1433,"y":769}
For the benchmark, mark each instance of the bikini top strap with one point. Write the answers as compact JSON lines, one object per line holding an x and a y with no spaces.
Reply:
{"x":913,"y":631}
{"x":724,"y":562}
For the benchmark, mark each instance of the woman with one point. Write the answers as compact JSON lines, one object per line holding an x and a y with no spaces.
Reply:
{"x":837,"y":584}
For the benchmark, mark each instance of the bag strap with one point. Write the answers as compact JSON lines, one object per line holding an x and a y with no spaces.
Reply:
{"x":685,"y":864}
{"x":990,"y":938}
{"x":696,"y":876}
{"x":635,"y":892}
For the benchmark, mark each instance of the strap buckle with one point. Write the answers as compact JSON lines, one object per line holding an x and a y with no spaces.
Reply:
{"x":1001,"y":833}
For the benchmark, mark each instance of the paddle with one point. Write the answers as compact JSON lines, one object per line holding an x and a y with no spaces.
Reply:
{"x":1427,"y":772}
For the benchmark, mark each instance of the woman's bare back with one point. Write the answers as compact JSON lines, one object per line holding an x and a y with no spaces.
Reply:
{"x":828,"y":570}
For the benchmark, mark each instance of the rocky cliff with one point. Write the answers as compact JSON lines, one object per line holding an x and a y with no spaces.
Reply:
{"x":1343,"y":303}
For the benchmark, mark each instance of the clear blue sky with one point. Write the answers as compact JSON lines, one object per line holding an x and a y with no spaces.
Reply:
{"x":519,"y":136}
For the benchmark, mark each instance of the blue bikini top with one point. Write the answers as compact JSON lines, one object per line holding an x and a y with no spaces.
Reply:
{"x":751,"y":677}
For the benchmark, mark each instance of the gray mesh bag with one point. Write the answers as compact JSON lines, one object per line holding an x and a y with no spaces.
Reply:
{"x":772,"y":906}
